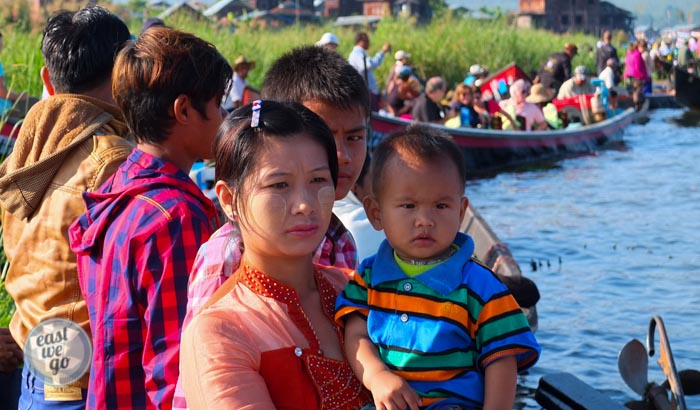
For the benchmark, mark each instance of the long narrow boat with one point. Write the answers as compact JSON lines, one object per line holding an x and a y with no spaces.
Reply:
{"x":687,"y":88}
{"x":496,"y":255}
{"x":487,"y":151}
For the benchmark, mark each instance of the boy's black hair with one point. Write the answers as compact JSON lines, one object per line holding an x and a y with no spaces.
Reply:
{"x":79,"y":48}
{"x":424,"y":143}
{"x":313,"y":73}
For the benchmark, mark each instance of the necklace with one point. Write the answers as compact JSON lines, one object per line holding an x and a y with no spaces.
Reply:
{"x":450,"y":251}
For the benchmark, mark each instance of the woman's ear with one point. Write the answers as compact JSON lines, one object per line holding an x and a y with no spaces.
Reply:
{"x":226,"y":198}
{"x":372,"y":210}
{"x":463,"y":208}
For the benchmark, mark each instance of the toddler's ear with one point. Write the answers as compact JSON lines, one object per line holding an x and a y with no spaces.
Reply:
{"x":372,"y":210}
{"x":463,"y":207}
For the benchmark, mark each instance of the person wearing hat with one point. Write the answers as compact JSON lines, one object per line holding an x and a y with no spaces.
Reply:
{"x":517,"y":112}
{"x":557,"y":68}
{"x":235,"y":96}
{"x":576,"y":85}
{"x":542,"y":97}
{"x":329,"y":41}
{"x":476,"y":72}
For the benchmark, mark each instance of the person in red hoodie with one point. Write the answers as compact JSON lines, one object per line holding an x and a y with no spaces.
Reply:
{"x":138,"y":239}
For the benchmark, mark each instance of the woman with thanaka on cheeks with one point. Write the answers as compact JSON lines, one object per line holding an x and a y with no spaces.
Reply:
{"x":266,"y":339}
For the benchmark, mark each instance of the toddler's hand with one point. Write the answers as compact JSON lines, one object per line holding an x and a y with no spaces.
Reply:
{"x":391,"y":392}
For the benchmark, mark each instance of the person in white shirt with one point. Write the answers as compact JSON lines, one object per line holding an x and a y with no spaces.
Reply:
{"x":235,"y":96}
{"x":366,"y":65}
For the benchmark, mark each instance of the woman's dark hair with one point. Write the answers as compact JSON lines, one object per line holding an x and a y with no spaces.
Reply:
{"x":160,"y":65}
{"x":422,"y":142}
{"x":238,"y":144}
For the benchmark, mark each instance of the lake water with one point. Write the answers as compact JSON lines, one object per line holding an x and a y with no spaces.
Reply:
{"x":615,"y":240}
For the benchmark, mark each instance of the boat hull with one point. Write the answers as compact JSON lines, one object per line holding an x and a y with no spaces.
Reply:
{"x":488,"y":151}
{"x":687,"y":89}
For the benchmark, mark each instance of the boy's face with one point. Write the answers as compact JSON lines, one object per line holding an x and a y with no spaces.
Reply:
{"x":419,"y":205}
{"x":350,"y":134}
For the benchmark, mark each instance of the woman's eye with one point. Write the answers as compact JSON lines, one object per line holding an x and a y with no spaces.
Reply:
{"x":278,"y":185}
{"x":319,"y":180}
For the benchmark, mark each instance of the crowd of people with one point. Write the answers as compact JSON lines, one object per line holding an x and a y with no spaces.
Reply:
{"x":261,"y":300}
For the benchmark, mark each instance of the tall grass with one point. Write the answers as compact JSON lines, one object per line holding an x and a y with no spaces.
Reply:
{"x":447,"y":46}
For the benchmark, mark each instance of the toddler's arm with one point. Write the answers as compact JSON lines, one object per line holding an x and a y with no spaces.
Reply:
{"x":500,"y":383}
{"x":390,"y":391}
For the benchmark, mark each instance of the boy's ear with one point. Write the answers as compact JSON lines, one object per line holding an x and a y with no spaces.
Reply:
{"x":463,"y":208}
{"x":226,"y":198}
{"x":46,"y":79}
{"x":372,"y":210}
{"x":182,"y":109}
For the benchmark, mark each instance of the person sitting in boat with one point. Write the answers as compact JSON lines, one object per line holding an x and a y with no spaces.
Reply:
{"x":557,"y":68}
{"x":424,"y":268}
{"x":401,"y":93}
{"x":476,"y":73}
{"x":462,"y":108}
{"x":428,"y":105}
{"x":579,"y":84}
{"x":480,"y":105}
{"x":510,"y":109}
{"x":542,"y":97}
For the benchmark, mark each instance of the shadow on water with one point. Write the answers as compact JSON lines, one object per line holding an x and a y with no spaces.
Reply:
{"x":688,"y":118}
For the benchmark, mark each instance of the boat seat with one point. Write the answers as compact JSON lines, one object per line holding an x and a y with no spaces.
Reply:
{"x":564,"y":391}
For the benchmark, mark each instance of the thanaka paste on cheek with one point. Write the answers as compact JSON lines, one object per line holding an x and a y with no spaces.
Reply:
{"x":273,"y":205}
{"x":326,"y":197}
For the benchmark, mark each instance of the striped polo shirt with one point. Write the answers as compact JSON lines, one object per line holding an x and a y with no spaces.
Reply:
{"x":440,"y":329}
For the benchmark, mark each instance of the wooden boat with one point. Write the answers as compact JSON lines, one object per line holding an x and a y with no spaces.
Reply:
{"x":564,"y":391}
{"x":487,"y":151}
{"x":496,"y":255}
{"x":687,"y":89}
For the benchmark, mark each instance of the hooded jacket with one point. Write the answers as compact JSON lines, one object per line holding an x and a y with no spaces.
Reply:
{"x":68,"y":144}
{"x":136,"y":245}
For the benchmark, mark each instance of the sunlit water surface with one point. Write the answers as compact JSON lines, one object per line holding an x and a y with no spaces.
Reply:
{"x":614,"y":237}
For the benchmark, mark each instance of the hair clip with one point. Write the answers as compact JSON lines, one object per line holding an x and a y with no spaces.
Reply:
{"x":255,"y":120}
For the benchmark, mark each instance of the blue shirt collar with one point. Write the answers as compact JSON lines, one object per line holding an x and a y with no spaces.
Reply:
{"x":443,"y":278}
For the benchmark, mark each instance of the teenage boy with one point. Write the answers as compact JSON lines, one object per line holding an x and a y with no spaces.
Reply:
{"x":326,"y":84}
{"x":137,"y":242}
{"x":69,"y":143}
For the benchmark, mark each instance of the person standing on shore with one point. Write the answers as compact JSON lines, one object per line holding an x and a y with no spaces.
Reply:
{"x":69,"y":143}
{"x":366,"y":65}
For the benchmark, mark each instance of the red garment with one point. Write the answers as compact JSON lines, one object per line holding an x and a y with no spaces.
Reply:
{"x":254,"y":348}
